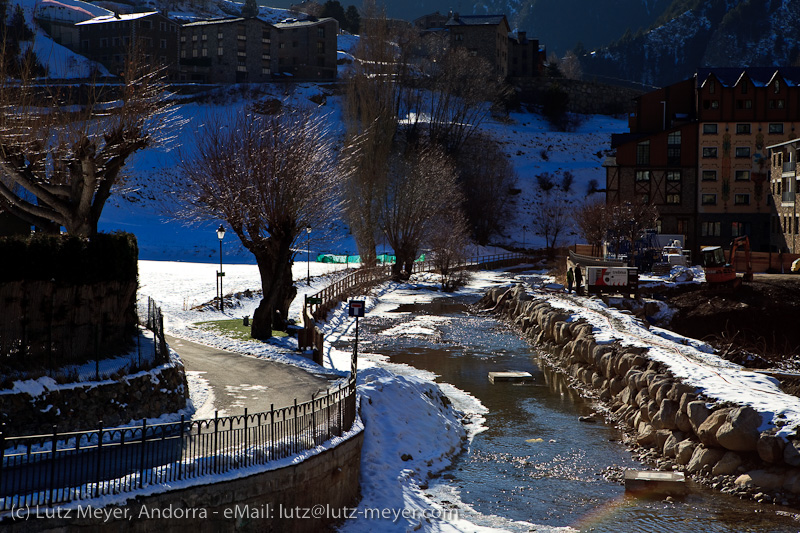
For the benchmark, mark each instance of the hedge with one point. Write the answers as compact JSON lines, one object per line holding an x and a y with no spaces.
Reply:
{"x":69,"y":259}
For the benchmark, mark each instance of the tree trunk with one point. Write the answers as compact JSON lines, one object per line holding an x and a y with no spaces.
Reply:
{"x":274,"y":261}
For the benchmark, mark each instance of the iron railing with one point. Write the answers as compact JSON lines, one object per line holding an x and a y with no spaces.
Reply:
{"x":54,"y":469}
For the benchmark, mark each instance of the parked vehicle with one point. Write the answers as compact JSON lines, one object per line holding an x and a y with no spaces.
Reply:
{"x":721,"y":273}
{"x":623,"y":280}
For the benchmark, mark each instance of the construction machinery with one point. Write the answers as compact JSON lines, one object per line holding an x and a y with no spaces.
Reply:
{"x":721,"y":273}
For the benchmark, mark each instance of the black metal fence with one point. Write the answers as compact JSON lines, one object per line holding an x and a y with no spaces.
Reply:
{"x":63,"y":467}
{"x":153,"y":320}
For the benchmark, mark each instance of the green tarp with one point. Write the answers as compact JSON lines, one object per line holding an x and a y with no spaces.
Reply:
{"x":341,"y":259}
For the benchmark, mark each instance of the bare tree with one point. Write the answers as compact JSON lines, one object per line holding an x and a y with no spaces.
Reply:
{"x":487,"y":179}
{"x":371,"y":118}
{"x":571,"y":66}
{"x":448,"y":243}
{"x":629,"y":220}
{"x":551,"y":212}
{"x":269,"y":177}
{"x":62,"y":152}
{"x":421,"y":185}
{"x":592,"y":219}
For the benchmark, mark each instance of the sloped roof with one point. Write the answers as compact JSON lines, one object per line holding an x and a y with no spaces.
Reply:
{"x":117,"y":18}
{"x":214,"y":21}
{"x":759,"y":76}
{"x":476,"y":20}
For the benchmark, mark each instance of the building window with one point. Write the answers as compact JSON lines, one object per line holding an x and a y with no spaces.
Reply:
{"x":673,"y":199}
{"x":183,"y":54}
{"x":205,"y":52}
{"x":709,"y":129}
{"x":742,"y":175}
{"x":776,"y":128}
{"x":708,"y":199}
{"x":194,"y":38}
{"x":643,"y":153}
{"x":219,"y":50}
{"x":710,"y":229}
{"x":744,"y":88}
{"x":241,"y":53}
{"x":265,"y":70}
{"x":219,"y":35}
{"x":674,"y":148}
{"x":320,"y":48}
{"x":709,"y":175}
{"x":674,"y":175}
{"x":776,"y":86}
{"x":776,"y":104}
{"x":241,"y":37}
{"x":743,"y":129}
{"x":642,"y":175}
{"x":194,"y":52}
{"x":265,"y":56}
{"x":204,"y":37}
{"x":162,"y":26}
{"x":241,"y":68}
{"x":162,"y":43}
{"x":321,"y":32}
{"x":183,"y":38}
{"x":744,"y":104}
{"x":739,"y":229}
{"x":742,"y":151}
{"x":709,"y":151}
{"x":741,"y":199}
{"x":711,"y":86}
{"x":714,"y":104}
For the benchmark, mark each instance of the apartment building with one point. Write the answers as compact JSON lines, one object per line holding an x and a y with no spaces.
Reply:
{"x":727,"y":117}
{"x":110,"y":39}
{"x":784,"y":225}
{"x":483,"y":35}
{"x":656,"y":163}
{"x":229,"y":50}
{"x":307,"y":49}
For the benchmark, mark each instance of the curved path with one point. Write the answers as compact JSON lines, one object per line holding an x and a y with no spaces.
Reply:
{"x":238,"y":381}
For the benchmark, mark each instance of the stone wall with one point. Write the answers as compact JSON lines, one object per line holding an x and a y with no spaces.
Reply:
{"x":584,"y":97}
{"x":133,"y":397}
{"x":719,"y":445}
{"x":277,"y":500}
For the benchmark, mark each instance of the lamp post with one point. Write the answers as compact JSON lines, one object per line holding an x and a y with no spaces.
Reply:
{"x":308,"y":255}
{"x":220,"y":235}
{"x":524,"y":229}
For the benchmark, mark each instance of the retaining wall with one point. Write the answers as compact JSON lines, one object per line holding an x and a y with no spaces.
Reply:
{"x":132,"y":397}
{"x":277,"y":500}
{"x":720,"y":445}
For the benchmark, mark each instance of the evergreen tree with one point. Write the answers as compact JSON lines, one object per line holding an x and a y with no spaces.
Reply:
{"x":353,"y":20}
{"x":250,"y":9}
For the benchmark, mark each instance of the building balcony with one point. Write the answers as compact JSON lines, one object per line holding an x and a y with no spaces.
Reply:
{"x":789,"y":166}
{"x":787,"y":197}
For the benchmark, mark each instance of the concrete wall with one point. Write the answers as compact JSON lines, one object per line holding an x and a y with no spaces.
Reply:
{"x":276,"y":500}
{"x":720,"y":445}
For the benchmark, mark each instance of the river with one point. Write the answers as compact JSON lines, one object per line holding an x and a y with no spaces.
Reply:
{"x":536,"y":462}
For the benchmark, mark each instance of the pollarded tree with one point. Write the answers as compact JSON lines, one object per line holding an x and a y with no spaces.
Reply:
{"x":421,"y":186}
{"x":592,"y":220}
{"x":62,"y":153}
{"x":268,"y":177}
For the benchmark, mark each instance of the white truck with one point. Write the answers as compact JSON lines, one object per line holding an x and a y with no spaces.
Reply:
{"x":623,"y":280}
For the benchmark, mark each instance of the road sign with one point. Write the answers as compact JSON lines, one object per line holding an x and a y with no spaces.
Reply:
{"x":356,"y":308}
{"x":311,"y":300}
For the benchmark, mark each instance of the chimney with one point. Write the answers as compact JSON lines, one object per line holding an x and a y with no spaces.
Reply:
{"x":522,"y":36}
{"x":455,"y":16}
{"x":116,"y":15}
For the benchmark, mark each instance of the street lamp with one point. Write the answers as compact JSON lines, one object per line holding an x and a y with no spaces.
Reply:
{"x":524,"y":229}
{"x":220,"y":235}
{"x":308,"y":254}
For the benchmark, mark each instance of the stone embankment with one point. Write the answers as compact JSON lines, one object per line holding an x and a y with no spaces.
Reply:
{"x":676,"y":427}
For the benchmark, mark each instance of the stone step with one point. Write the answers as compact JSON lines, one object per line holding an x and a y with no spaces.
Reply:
{"x":512,"y":377}
{"x":648,"y":482}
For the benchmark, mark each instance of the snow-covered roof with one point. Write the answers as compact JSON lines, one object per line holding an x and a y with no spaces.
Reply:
{"x":295,"y":23}
{"x":117,"y":18}
{"x":69,"y":10}
{"x":214,"y":21}
{"x":476,"y":20}
{"x":759,"y":76}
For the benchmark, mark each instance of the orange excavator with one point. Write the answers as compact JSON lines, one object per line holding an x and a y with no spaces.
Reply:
{"x":721,"y":273}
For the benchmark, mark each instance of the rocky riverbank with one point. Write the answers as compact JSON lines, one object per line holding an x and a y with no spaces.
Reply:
{"x":722,"y":444}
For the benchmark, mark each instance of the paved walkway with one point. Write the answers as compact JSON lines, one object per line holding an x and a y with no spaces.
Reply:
{"x":240,"y":382}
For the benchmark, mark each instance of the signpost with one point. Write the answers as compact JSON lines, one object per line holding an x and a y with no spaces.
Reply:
{"x":355,"y":309}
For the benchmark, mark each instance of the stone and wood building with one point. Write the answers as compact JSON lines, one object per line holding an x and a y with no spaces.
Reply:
{"x":708,"y":137}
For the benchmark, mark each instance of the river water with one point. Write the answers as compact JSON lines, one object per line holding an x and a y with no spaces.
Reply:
{"x":536,"y":462}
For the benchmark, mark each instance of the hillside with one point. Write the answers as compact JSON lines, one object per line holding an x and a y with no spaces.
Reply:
{"x":694,"y":33}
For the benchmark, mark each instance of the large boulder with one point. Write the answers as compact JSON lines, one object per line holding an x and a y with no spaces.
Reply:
{"x":791,"y":453}
{"x":703,"y":456}
{"x":665,"y":417}
{"x":770,"y":448}
{"x":698,"y":411}
{"x":684,"y":451}
{"x":761,"y":479}
{"x":707,"y":432}
{"x":727,"y":465}
{"x":740,"y":431}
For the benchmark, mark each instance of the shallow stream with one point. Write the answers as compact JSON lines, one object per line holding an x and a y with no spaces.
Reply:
{"x":536,"y":462}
